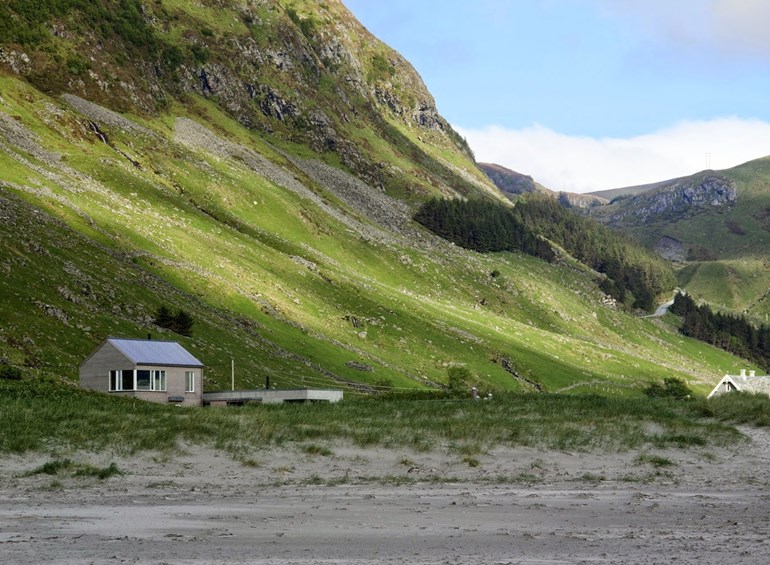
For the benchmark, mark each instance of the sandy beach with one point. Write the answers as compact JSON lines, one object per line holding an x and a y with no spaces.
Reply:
{"x":349,"y":505}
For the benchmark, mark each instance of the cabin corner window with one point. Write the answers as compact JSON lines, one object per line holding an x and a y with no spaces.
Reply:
{"x":115,"y":380}
{"x":189,"y":381}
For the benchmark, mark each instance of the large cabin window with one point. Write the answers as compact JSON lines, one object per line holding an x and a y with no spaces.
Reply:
{"x":140,"y":379}
{"x":143,"y":380}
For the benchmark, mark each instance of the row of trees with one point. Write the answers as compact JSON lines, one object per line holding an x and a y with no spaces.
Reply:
{"x":730,"y":332}
{"x":635,"y":275}
{"x":180,"y":322}
{"x":481,"y":226}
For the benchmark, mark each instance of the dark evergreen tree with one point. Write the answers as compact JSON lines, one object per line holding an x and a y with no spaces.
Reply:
{"x":163,"y":317}
{"x":636,"y":276}
{"x":481,"y":226}
{"x":183,"y":323}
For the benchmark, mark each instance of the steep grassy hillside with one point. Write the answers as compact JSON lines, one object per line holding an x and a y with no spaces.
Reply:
{"x":304,"y":71}
{"x":294,"y":269}
{"x":262,"y":173}
{"x":721,"y":222}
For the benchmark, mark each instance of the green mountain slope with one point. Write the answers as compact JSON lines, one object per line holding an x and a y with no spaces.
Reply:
{"x":283,"y":268}
{"x":296,"y":256}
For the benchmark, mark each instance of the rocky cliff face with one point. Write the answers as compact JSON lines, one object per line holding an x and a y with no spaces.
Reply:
{"x":299,"y":70}
{"x":510,"y":182}
{"x":671,"y":202}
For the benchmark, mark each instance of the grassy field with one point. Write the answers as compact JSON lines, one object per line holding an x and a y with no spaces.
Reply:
{"x":49,"y":417}
{"x":737,"y":285}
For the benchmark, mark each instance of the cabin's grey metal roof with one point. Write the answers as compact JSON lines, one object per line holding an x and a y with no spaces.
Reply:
{"x":154,"y":352}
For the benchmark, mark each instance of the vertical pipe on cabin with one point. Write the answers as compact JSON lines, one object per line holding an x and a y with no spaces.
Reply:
{"x":232,"y":374}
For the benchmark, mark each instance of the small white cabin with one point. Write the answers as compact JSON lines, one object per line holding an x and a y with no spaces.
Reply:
{"x":743,"y":383}
{"x":154,"y":370}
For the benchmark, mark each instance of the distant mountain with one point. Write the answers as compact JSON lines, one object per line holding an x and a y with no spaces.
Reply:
{"x":670,"y":201}
{"x":513,"y":184}
{"x":716,"y":224}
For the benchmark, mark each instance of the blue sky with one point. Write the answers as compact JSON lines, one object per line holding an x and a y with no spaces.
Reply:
{"x":592,"y":94}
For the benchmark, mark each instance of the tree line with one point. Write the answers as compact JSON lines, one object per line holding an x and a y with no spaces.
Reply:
{"x":731,"y":332}
{"x":634,"y":275}
{"x":482,"y":226}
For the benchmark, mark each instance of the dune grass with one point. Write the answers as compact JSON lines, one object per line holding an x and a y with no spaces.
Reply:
{"x":38,"y":416}
{"x":61,"y":466}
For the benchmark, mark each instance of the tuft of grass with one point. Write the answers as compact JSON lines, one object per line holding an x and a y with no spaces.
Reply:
{"x":679,"y":440}
{"x":51,"y":468}
{"x":76,"y":469}
{"x":314,"y":449}
{"x":101,"y":473}
{"x":592,"y":477}
{"x":656,"y":461}
{"x":161,"y":484}
{"x":526,"y":478}
{"x":471,"y":461}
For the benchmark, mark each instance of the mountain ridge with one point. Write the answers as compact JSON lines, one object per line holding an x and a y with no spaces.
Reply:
{"x":514,"y":184}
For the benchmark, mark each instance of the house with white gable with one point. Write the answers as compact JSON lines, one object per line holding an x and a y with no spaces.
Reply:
{"x":743,"y":383}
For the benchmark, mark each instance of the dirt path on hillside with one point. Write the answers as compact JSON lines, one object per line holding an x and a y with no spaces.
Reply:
{"x":381,"y":506}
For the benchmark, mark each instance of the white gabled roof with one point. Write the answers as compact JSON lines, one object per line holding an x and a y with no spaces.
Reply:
{"x":743,"y":383}
{"x":154,"y":352}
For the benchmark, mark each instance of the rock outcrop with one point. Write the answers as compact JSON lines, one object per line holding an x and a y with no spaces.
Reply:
{"x":671,"y":202}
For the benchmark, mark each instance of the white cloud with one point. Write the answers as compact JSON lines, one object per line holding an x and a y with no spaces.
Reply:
{"x":721,"y":28}
{"x":584,"y":164}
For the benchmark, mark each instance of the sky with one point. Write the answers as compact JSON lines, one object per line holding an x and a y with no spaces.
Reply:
{"x":592,"y":94}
